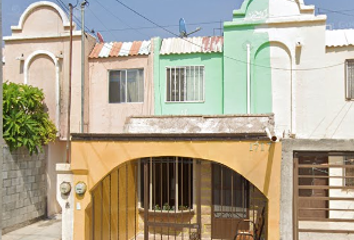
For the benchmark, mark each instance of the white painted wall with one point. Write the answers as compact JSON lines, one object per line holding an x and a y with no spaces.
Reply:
{"x":309,"y":94}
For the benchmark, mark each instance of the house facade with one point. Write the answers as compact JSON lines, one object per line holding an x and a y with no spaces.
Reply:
{"x":188,"y":137}
{"x":37,"y":53}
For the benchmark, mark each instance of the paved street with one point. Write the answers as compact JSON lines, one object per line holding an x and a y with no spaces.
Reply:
{"x":49,"y":229}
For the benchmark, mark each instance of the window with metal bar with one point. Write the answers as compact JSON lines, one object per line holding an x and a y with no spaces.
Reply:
{"x":185,"y":84}
{"x":349,"y":64}
{"x":349,"y":172}
{"x":170,"y":184}
{"x":230,"y":193}
{"x":126,"y":86}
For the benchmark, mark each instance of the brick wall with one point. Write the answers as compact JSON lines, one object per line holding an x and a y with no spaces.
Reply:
{"x":24,"y":188}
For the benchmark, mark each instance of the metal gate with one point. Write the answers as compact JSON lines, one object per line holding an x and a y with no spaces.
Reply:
{"x":323,"y":195}
{"x":173,"y":207}
{"x":151,"y":198}
{"x":172,"y":198}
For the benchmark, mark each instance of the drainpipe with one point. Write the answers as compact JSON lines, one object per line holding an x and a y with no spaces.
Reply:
{"x":83,"y":4}
{"x":248,"y":78}
{"x":271,"y":137}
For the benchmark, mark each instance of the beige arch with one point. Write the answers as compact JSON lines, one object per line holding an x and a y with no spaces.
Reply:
{"x":57,"y":79}
{"x":33,"y":6}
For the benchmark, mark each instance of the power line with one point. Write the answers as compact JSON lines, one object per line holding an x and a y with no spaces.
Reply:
{"x":154,"y":27}
{"x":119,"y":19}
{"x":66,"y":9}
{"x":231,"y":58}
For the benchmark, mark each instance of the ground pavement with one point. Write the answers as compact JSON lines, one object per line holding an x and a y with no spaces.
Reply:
{"x":49,"y":229}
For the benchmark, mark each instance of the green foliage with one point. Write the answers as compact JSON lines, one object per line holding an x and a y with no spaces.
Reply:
{"x":26,"y":123}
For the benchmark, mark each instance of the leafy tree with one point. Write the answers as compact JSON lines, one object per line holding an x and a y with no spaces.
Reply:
{"x":26,"y":122}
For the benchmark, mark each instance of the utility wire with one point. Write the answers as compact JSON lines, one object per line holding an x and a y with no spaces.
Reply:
{"x":119,"y":19}
{"x":66,"y":9}
{"x":231,"y":58}
{"x":154,"y":27}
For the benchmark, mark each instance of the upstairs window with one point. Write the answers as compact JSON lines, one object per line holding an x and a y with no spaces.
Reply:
{"x":185,"y":84}
{"x":349,"y":89}
{"x":126,"y":86}
{"x":349,"y":171}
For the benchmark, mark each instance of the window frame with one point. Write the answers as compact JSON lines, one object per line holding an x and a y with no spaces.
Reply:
{"x":126,"y":77}
{"x":185,"y":67}
{"x":174,"y":208}
{"x":348,"y":160}
{"x":349,"y":96}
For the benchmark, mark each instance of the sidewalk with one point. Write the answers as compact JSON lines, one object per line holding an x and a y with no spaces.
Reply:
{"x":49,"y":229}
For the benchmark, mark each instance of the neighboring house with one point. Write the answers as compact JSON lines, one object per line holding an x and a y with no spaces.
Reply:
{"x":188,"y":76}
{"x":37,"y":53}
{"x":120,"y":84}
{"x":187,"y":137}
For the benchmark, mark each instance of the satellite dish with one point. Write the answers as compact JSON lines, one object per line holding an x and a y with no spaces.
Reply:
{"x":100,"y":37}
{"x":183,"y":30}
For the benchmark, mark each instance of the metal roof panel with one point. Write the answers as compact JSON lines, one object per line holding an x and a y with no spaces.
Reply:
{"x":191,"y":45}
{"x":120,"y":49}
{"x":340,"y":38}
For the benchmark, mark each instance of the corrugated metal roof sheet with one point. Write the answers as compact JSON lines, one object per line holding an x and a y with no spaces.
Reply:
{"x":340,"y":38}
{"x":192,"y":45}
{"x":120,"y":49}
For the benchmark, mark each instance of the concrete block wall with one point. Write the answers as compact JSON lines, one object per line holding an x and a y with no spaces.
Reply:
{"x":24,"y":188}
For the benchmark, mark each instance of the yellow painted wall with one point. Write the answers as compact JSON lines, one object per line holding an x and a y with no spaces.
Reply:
{"x":258,"y":162}
{"x":111,"y":212}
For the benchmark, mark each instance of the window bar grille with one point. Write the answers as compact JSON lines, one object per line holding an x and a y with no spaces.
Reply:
{"x":185,"y":85}
{"x":101,"y":227}
{"x":154,"y":200}
{"x":189,"y":192}
{"x":182,"y":195}
{"x":135,"y":200}
{"x":93,"y":216}
{"x":201,"y":90}
{"x":221,"y":189}
{"x":110,"y":206}
{"x":175,"y":83}
{"x":126,"y":201}
{"x":126,"y":86}
{"x":150,"y":196}
{"x":179,"y":84}
{"x":232,"y":197}
{"x":118,"y":202}
{"x":146,"y":193}
{"x":176,"y":190}
{"x":351,"y":79}
{"x":170,"y":93}
{"x":168,"y":198}
{"x":243,"y":197}
{"x":161,"y":190}
{"x":194,"y":95}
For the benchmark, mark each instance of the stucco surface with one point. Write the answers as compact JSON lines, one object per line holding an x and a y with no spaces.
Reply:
{"x":200,"y":124}
{"x":105,"y":117}
{"x":91,"y":161}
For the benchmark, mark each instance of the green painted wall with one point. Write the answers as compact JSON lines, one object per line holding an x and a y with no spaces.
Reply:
{"x":213,"y":76}
{"x":237,"y":34}
{"x":225,"y":73}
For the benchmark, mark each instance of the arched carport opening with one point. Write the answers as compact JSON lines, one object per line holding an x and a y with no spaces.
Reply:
{"x":172,"y":197}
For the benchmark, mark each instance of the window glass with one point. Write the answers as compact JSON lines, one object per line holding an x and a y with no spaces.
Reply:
{"x":126,"y":86}
{"x":350,"y":79}
{"x":185,"y":84}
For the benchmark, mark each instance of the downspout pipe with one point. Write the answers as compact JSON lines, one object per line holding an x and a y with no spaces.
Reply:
{"x":248,"y":78}
{"x":83,"y":4}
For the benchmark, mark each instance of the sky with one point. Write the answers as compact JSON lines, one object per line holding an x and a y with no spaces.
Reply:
{"x":117,"y":23}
